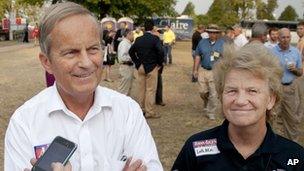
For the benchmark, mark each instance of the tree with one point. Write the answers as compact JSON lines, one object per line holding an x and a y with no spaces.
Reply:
{"x":215,"y":13}
{"x":289,"y":14}
{"x":264,"y":11}
{"x":139,"y":9}
{"x":5,"y":7}
{"x":189,"y":10}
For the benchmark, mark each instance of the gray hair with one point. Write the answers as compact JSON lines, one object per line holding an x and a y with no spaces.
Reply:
{"x":259,"y":29}
{"x":54,"y":14}
{"x":255,"y":58}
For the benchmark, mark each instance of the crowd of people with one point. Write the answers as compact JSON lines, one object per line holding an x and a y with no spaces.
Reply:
{"x":244,"y":80}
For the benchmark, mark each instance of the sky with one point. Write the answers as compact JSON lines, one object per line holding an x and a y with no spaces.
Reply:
{"x":202,"y":6}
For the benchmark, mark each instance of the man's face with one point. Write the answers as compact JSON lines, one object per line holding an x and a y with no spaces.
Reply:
{"x":300,"y":30}
{"x":213,"y":36}
{"x":284,"y":39}
{"x":274,"y":36}
{"x":246,"y":98}
{"x":130,"y":36}
{"x":75,"y":56}
{"x":123,"y":25}
{"x":237,"y":31}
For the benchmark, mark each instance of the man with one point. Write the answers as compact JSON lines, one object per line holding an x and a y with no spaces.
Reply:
{"x":259,"y":33}
{"x":169,"y":40}
{"x":126,"y":68}
{"x":119,"y":35}
{"x":148,"y":56}
{"x":229,"y":35}
{"x":248,"y":90}
{"x":107,"y":126}
{"x":137,"y":32}
{"x":273,"y":38}
{"x":291,"y":63}
{"x":300,"y":32}
{"x":239,"y":39}
{"x":196,"y":38}
{"x":207,"y":53}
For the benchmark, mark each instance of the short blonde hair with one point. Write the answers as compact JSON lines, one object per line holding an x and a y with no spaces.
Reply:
{"x":54,"y":14}
{"x":253,"y":57}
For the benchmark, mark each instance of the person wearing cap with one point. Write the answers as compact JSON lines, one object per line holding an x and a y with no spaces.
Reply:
{"x":207,"y":53}
{"x":239,"y":39}
{"x":248,"y":84}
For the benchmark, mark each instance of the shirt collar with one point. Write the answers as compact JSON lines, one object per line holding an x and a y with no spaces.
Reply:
{"x":281,"y":50}
{"x":268,"y":145}
{"x":101,"y":99}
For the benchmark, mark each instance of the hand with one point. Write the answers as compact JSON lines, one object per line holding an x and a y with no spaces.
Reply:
{"x":136,"y":166}
{"x":195,"y":74}
{"x":291,"y":67}
{"x":55,"y":166}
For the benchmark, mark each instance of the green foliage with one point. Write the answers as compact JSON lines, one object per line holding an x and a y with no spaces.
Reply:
{"x":139,"y":9}
{"x":289,"y":14}
{"x":223,"y":13}
{"x":5,"y":7}
{"x":264,"y":11}
{"x":189,"y":10}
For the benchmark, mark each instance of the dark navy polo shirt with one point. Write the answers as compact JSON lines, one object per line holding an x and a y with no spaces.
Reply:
{"x":212,"y":150}
{"x":205,"y":50}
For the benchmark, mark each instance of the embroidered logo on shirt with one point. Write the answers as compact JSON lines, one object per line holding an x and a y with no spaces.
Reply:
{"x":205,"y":147}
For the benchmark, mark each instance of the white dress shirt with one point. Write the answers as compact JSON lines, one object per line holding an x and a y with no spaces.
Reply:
{"x":113,"y":127}
{"x":240,"y":41}
{"x":123,"y":50}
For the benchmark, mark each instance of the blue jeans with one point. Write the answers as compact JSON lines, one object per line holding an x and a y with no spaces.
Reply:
{"x":167,"y":50}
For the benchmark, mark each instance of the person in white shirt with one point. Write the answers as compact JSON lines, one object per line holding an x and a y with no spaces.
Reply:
{"x":273,"y":38}
{"x":126,"y":68}
{"x":239,"y":39}
{"x":108,"y":127}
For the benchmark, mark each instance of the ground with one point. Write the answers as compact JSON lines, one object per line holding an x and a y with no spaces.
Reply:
{"x":21,"y":77}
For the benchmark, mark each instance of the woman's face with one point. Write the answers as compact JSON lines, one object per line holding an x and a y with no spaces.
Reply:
{"x":246,"y":98}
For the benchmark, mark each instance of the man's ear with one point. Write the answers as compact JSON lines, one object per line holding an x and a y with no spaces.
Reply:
{"x":45,"y":62}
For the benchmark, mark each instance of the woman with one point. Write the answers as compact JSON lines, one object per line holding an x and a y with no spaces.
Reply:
{"x":249,"y":86}
{"x":110,"y":55}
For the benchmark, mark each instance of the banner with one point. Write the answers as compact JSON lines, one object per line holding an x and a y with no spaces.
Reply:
{"x":182,"y":27}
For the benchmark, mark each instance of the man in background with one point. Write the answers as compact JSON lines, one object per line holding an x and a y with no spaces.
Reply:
{"x":207,"y":53}
{"x":169,"y":40}
{"x":291,"y":63}
{"x":196,"y":38}
{"x":126,"y":68}
{"x":148,"y":56}
{"x":273,"y":38}
{"x":239,"y":38}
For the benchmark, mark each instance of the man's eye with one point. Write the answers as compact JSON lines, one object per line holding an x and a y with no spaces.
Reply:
{"x":94,"y":50}
{"x":253,"y":91}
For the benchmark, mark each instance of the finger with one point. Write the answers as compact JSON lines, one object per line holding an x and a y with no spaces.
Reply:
{"x":135,"y":165}
{"x":56,"y":166}
{"x":142,"y":168}
{"x":127,"y":163}
{"x":33,"y":161}
{"x":27,"y":170}
{"x":68,"y":167}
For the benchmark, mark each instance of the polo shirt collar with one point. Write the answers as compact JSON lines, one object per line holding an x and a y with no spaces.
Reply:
{"x":281,"y":50}
{"x":101,"y":99}
{"x":268,"y":145}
